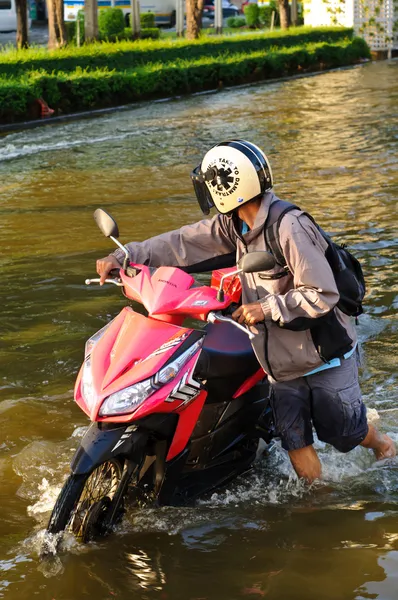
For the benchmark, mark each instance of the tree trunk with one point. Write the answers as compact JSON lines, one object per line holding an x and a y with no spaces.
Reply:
{"x":52,"y":35}
{"x":135,"y":19}
{"x":284,"y":13}
{"x":56,"y":24}
{"x":60,"y":22}
{"x":293,"y":13}
{"x":194,"y":10}
{"x":91,"y":20}
{"x":22,"y":24}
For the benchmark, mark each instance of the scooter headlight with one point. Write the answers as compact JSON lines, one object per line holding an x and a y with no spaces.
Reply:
{"x":127,"y":400}
{"x":87,"y":385}
{"x":95,"y":338}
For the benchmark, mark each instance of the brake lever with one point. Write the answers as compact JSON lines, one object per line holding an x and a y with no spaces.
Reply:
{"x":212,"y":317}
{"x":97,"y":280}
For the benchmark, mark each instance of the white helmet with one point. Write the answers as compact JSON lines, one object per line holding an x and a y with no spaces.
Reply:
{"x":231,"y":173}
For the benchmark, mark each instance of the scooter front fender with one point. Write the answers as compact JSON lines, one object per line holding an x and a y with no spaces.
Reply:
{"x":100,"y":444}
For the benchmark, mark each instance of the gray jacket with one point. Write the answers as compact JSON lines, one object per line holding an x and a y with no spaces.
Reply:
{"x":302,"y":328}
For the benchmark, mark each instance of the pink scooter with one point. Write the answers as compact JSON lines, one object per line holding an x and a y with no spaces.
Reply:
{"x":174,"y":410}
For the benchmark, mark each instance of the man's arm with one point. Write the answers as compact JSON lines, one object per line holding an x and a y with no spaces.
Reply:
{"x":314,"y":293}
{"x":205,"y":245}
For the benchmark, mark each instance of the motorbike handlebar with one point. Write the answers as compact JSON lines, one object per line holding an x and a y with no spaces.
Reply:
{"x":97,"y":280}
{"x":212,"y":317}
{"x":227,"y":312}
{"x":114,"y":273}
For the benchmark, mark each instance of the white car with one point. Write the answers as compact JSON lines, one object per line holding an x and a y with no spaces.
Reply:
{"x":8,"y":16}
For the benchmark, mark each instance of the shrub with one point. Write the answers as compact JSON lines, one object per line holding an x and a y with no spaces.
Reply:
{"x":147,"y":20}
{"x":71,"y":29}
{"x":265,"y":14}
{"x":85,"y":89}
{"x":128,"y":54}
{"x":150,"y":33}
{"x":110,"y":22}
{"x":16,"y":97}
{"x":236,"y":22}
{"x":127,"y":34}
{"x":252,"y":13}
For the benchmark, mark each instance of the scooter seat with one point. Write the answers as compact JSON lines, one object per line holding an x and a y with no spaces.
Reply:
{"x":226,"y":352}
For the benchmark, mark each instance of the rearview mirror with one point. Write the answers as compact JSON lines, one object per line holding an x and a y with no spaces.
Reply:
{"x":256,"y":261}
{"x":109,"y":228}
{"x":249,"y":263}
{"x":106,"y":223}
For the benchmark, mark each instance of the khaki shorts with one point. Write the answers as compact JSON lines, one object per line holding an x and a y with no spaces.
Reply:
{"x":330,"y":401}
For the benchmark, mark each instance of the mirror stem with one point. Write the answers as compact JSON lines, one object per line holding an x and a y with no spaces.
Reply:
{"x":126,"y":260}
{"x":220,"y":293}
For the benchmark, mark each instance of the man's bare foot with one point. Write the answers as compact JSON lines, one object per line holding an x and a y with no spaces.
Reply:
{"x":381,"y":444}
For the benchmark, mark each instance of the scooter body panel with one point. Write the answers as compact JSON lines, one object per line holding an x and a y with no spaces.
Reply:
{"x":210,"y":435}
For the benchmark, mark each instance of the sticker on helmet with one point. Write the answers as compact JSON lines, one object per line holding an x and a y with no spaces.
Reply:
{"x":227,"y":178}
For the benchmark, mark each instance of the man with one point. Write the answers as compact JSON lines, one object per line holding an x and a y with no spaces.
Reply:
{"x":304,"y":343}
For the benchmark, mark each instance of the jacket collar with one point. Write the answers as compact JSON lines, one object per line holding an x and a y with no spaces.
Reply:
{"x":259,"y":221}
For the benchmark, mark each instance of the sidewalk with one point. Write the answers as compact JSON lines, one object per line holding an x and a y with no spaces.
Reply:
{"x":38,"y":35}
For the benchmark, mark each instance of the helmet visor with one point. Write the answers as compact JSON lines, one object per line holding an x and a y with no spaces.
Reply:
{"x":201,"y":190}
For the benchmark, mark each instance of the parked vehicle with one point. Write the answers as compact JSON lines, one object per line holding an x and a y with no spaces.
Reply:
{"x":175,"y":410}
{"x":8,"y":16}
{"x":228,"y":9}
{"x":164,"y":10}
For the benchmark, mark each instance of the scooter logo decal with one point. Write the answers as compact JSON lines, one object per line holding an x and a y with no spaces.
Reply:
{"x":129,"y":430}
{"x":200,"y":303}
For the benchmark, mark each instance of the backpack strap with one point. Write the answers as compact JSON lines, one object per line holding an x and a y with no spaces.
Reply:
{"x":277,"y":211}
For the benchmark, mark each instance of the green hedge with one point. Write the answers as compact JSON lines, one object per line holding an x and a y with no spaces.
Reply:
{"x":252,"y":14}
{"x":84,"y":89}
{"x":150,"y":33}
{"x":71,"y":30}
{"x":236,"y":22}
{"x":110,"y":22}
{"x":126,"y":55}
{"x":265,"y":15}
{"x":147,"y":33}
{"x":147,"y":20}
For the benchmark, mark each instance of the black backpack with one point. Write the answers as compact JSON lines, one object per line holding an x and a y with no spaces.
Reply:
{"x":346,"y":268}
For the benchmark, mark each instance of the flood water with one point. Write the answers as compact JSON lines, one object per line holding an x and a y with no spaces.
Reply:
{"x":333,"y":143}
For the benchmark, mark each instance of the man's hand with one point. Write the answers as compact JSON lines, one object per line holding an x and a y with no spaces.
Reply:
{"x":249,"y":314}
{"x":104,"y":265}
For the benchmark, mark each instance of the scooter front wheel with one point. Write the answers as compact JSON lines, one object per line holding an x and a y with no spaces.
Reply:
{"x":84,"y":502}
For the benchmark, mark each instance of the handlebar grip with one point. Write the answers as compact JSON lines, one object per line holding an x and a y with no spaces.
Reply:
{"x":113,"y":273}
{"x":230,"y":309}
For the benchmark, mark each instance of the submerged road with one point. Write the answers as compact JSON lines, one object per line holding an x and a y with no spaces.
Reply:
{"x":333,"y":143}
